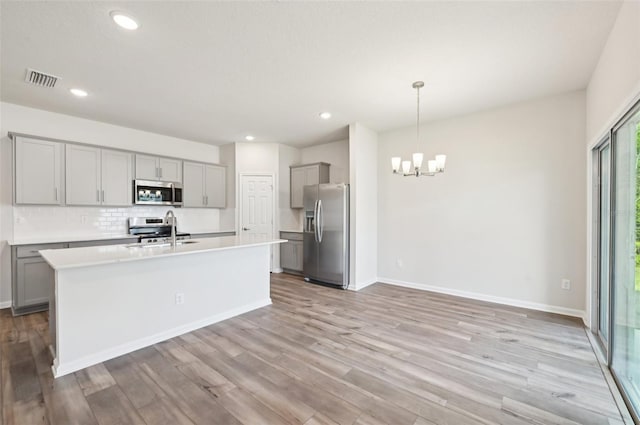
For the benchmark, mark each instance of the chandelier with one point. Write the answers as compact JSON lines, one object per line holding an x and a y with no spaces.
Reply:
{"x":434,"y":166}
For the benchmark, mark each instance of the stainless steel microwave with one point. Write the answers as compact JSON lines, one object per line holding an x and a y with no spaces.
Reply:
{"x":148,"y":192}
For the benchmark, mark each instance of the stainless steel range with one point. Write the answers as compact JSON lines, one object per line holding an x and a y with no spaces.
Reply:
{"x":154,"y":230}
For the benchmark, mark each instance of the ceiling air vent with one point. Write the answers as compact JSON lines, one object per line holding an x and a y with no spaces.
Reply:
{"x":40,"y":78}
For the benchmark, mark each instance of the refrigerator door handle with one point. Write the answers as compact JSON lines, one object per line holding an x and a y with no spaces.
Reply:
{"x":315,"y":221}
{"x":320,"y":225}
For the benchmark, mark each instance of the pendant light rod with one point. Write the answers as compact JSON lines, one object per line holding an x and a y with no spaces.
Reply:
{"x":418,"y":85}
{"x":433,"y":166}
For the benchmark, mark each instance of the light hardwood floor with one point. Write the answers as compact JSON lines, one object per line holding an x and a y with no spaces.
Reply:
{"x":324,"y":356}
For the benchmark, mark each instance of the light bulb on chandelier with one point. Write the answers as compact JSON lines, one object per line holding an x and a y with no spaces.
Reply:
{"x":434,"y":166}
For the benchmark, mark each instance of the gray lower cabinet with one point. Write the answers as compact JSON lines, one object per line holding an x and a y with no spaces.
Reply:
{"x":35,"y":277}
{"x":32,"y":279}
{"x":291,"y":252}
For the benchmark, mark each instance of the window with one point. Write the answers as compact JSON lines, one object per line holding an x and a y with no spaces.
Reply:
{"x":604,"y":220}
{"x":624,"y":307}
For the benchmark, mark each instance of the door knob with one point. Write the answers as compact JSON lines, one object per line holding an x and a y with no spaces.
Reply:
{"x":246,"y":228}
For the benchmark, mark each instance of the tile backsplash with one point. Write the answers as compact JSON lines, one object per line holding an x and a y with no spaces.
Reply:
{"x":41,"y":221}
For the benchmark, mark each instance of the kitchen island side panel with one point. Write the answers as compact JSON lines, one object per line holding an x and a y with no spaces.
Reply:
{"x":105,"y":311}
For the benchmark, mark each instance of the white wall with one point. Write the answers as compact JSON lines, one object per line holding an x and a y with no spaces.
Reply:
{"x":23,"y":222}
{"x":615,"y":82}
{"x":256,"y":158}
{"x":37,"y":122}
{"x":613,"y":88}
{"x":363,"y":170}
{"x":334,"y":153}
{"x":506,"y":220}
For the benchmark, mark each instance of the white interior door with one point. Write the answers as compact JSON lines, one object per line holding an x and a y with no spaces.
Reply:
{"x":256,"y":219}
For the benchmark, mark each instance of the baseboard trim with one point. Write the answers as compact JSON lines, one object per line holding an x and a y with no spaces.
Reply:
{"x":5,"y":304}
{"x":489,"y":298}
{"x":585,"y":321}
{"x":359,"y":286}
{"x":277,"y":270}
{"x":101,"y":356}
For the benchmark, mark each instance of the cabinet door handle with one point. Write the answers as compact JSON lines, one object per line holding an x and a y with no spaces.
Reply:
{"x":206,"y":200}
{"x":160,"y":171}
{"x":203,"y":201}
{"x":157,"y":172}
{"x":102,"y":195}
{"x":55,"y":194}
{"x":97,"y":195}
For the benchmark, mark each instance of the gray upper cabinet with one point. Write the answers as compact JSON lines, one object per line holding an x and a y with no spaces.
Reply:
{"x":97,"y":176}
{"x":303,"y":175}
{"x":117,"y":178}
{"x":193,"y":185}
{"x":83,"y":175}
{"x":170,"y":169}
{"x":147,"y":167}
{"x":297,"y":182}
{"x":158,"y":168}
{"x":204,"y":185}
{"x":38,"y":171}
{"x":215,"y":186}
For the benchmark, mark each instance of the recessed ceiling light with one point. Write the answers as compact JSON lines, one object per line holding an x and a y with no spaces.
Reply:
{"x":249,"y":138}
{"x":78,"y":92}
{"x":124,"y":20}
{"x":325,"y":115}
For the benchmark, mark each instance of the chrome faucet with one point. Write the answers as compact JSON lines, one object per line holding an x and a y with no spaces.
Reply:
{"x":173,"y":226}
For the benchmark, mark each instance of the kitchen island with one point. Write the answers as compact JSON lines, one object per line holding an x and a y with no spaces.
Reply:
{"x":112,"y":300}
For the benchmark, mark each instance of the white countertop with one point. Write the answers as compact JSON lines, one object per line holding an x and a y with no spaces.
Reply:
{"x":197,"y":231}
{"x":85,"y":238}
{"x":70,"y":238}
{"x":98,"y":255}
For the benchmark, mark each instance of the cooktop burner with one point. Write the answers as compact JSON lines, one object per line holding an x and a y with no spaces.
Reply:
{"x":154,"y":229}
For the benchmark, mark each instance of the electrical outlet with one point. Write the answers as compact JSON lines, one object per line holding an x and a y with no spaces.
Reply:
{"x":179,"y":298}
{"x":399,"y":263}
{"x":566,"y":284}
{"x":83,"y":219}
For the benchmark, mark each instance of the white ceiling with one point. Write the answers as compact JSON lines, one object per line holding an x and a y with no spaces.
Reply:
{"x":216,"y":71}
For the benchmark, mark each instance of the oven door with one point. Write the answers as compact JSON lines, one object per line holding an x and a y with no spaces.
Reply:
{"x":147,"y":192}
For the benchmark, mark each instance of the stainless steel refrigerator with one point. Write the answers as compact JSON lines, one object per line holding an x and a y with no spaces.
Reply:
{"x":326,"y":234}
